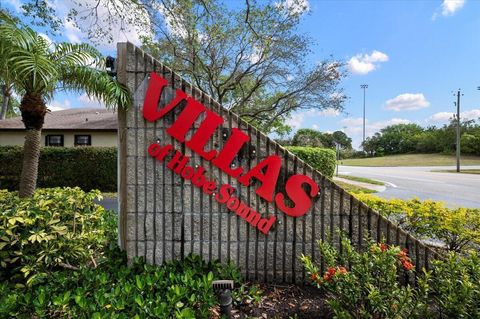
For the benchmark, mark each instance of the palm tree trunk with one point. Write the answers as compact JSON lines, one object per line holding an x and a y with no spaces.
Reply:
{"x":33,"y":115}
{"x":6,"y":98}
{"x":31,"y":155}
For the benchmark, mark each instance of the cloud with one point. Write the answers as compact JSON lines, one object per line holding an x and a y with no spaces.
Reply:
{"x":366,"y":63}
{"x":46,"y":37}
{"x":294,"y":7}
{"x":407,"y":102}
{"x":16,"y":4}
{"x":85,"y":101}
{"x":58,"y":106}
{"x":72,"y":33}
{"x":295,"y":121}
{"x":471,"y":114}
{"x":448,"y":8}
{"x":445,"y":117}
{"x":328,"y":112}
{"x":315,"y":126}
{"x":349,"y":121}
{"x":354,"y":127}
{"x":377,"y":126}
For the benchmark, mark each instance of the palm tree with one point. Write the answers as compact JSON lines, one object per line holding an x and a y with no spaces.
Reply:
{"x":5,"y":75}
{"x":38,"y":68}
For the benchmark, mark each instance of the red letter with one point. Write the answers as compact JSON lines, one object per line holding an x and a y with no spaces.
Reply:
{"x":185,"y":120}
{"x":265,"y":224}
{"x":297,"y":194}
{"x":203,"y":134}
{"x":272,"y":166}
{"x":154,"y":91}
{"x":178,"y":162}
{"x":155,"y":150}
{"x":231,"y":148}
{"x":224,"y":193}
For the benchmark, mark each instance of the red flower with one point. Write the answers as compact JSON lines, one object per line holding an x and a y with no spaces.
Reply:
{"x":314,"y":276}
{"x":383,"y":247}
{"x":342,"y":270}
{"x":330,"y":273}
{"x":403,"y":253}
{"x":407,"y":265}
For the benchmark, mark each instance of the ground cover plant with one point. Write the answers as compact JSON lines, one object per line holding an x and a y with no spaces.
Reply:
{"x":60,"y":260}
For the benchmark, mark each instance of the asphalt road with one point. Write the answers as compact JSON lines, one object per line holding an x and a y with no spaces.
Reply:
{"x":109,"y":203}
{"x":456,"y":190}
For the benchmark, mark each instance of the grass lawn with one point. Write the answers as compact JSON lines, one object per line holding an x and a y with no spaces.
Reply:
{"x":361,"y":179}
{"x":462,"y":171}
{"x":354,"y":189}
{"x":412,"y":160}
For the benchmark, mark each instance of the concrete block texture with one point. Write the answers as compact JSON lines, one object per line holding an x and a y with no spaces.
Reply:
{"x":167,"y":217}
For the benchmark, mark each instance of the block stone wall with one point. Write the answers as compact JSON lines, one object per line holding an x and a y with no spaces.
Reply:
{"x":164,"y":217}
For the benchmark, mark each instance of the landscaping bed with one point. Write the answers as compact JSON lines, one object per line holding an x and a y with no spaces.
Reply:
{"x":59,"y":259}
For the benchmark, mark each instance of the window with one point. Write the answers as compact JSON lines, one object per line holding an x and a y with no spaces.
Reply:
{"x":54,"y":140}
{"x":83,"y":140}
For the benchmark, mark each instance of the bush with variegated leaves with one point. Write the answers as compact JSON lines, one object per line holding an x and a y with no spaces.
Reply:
{"x":56,"y":228}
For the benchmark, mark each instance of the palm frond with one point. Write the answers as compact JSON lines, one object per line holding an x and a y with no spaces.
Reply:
{"x":35,"y":72}
{"x":76,"y":54}
{"x":97,"y":84}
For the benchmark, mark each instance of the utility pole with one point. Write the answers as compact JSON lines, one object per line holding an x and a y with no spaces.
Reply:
{"x":458,"y":131}
{"x":364,"y":87}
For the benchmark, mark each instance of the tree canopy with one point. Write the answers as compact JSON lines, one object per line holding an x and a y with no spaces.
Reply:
{"x":248,"y":56}
{"x":314,"y":138}
{"x":412,"y":138}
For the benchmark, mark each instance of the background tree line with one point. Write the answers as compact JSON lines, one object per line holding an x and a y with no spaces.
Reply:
{"x":314,"y":138}
{"x":412,"y":138}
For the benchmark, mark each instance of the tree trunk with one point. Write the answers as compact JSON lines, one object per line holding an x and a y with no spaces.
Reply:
{"x":33,"y":115}
{"x":31,"y":155}
{"x":6,"y":98}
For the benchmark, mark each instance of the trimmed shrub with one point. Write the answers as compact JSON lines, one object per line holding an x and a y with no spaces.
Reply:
{"x":56,"y":228}
{"x":322,"y":159}
{"x":458,"y":229}
{"x":85,"y":167}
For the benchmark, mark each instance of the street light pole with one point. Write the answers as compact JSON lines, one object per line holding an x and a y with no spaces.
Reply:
{"x":364,"y":86}
{"x":458,"y":131}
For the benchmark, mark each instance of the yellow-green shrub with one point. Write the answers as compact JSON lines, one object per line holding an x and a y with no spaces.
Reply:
{"x":458,"y":228}
{"x":58,"y":227}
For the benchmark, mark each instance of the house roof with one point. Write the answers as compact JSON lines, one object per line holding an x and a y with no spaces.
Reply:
{"x":71,"y":119}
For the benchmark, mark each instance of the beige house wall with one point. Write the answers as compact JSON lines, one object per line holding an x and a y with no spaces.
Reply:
{"x":98,"y":138}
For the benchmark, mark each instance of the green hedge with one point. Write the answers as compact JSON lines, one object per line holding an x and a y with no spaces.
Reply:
{"x":322,"y":159}
{"x":85,"y":167}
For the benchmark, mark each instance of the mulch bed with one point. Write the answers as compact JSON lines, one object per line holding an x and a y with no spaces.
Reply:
{"x":282,"y":301}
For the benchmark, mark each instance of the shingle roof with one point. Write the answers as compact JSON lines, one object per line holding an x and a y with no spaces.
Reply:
{"x":71,"y":119}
